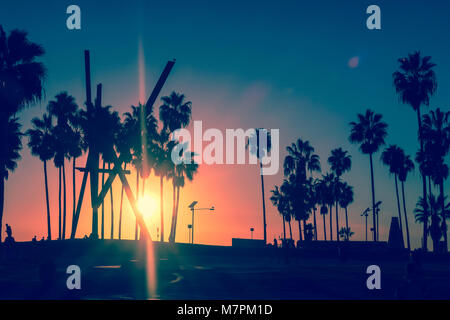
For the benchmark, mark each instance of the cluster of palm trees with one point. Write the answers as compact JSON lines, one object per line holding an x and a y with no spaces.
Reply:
{"x":137,"y":140}
{"x":66,"y":131}
{"x":301,"y":194}
{"x":21,"y":84}
{"x":415,"y":82}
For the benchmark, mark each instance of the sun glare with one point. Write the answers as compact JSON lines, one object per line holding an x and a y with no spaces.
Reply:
{"x":148,"y":205}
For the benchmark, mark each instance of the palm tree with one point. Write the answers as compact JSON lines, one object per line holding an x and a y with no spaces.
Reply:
{"x":163,"y":151}
{"x":21,"y":84}
{"x":340,"y":162}
{"x":179,"y":174}
{"x":42,"y":146}
{"x":345,"y":199}
{"x":76,"y":147}
{"x":406,"y":166}
{"x":315,"y":201}
{"x":369,"y":132}
{"x":279,"y":201}
{"x":260,"y":149}
{"x":9,"y":155}
{"x":124,"y":148}
{"x":64,"y":109}
{"x":133,"y":127}
{"x":415,"y":82}
{"x":392,"y":157}
{"x":346,"y":233}
{"x":436,"y":137}
{"x":431,"y":210}
{"x":21,"y":75}
{"x":175,"y":113}
{"x":111,"y":128}
{"x":287,"y":193}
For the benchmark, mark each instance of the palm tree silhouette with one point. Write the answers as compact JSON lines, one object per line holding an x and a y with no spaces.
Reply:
{"x":175,"y":113}
{"x":369,"y":132}
{"x":287,"y":193}
{"x":124,"y":148}
{"x":415,"y":82}
{"x":340,"y":162}
{"x":76,"y":147}
{"x":324,"y":199}
{"x":345,"y":199}
{"x":392,"y":157}
{"x":436,"y":137}
{"x":21,"y":75}
{"x":132,"y":127}
{"x":406,"y":166}
{"x":300,"y":159}
{"x":41,"y":144}
{"x":111,"y":127}
{"x":64,"y":109}
{"x":260,"y":149}
{"x":279,"y":201}
{"x":9,"y":155}
{"x":163,"y":163}
{"x":431,"y":210}
{"x":346,"y":233}
{"x":21,"y":84}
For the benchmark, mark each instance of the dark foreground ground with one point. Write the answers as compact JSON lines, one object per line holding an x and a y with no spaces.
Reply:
{"x":113,"y":269}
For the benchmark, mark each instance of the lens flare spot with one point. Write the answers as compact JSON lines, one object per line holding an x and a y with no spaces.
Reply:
{"x":353,"y":62}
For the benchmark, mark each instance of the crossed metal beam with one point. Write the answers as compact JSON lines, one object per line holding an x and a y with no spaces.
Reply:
{"x":93,"y":158}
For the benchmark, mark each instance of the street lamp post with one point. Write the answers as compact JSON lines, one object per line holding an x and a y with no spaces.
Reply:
{"x":251,"y":230}
{"x":193,"y":209}
{"x":366,"y":214}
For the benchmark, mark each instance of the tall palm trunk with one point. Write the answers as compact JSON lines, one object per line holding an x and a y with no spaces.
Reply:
{"x":304,"y":228}
{"x":121,"y":208}
{"x":424,"y":186}
{"x":290,"y":230}
{"x":444,"y":223}
{"x":264,"y":204}
{"x":406,"y":216}
{"x":74,"y":189}
{"x":103,"y":203}
{"x":346,"y":218}
{"x":337,"y":221}
{"x":137,"y":198}
{"x":284,"y":228}
{"x":161,"y":204}
{"x":324,"y":228}
{"x":374,"y":213}
{"x":65,"y":201}
{"x":112,"y":206}
{"x":171,"y":238}
{"x":300,"y":235}
{"x":331,"y":222}
{"x":398,"y":207}
{"x":176,"y":216}
{"x":59,"y":203}
{"x":49,"y":228}
{"x":140,"y":232}
{"x":2,"y":200}
{"x":315,"y":226}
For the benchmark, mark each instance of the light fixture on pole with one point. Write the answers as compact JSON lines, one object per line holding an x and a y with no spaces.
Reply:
{"x":193,"y":209}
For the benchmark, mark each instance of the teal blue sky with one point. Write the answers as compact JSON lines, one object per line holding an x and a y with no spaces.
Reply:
{"x":275,"y":64}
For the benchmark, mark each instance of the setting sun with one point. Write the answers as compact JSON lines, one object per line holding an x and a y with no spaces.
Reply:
{"x":148,"y":205}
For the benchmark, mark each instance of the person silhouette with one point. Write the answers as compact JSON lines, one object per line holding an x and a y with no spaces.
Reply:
{"x":9,"y":238}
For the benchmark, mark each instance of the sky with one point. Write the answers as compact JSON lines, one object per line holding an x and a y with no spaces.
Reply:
{"x":305,"y":68}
